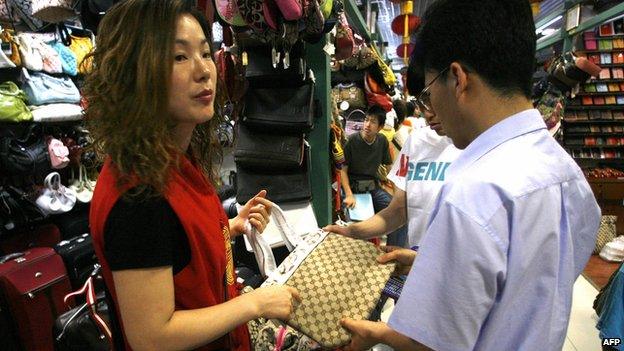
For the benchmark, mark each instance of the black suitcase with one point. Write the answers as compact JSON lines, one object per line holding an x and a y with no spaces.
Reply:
{"x":79,"y":258}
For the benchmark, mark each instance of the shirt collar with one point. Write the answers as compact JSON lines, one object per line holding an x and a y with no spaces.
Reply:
{"x":509,"y":128}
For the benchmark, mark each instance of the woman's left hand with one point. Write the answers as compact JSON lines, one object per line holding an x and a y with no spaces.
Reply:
{"x":257,"y":211}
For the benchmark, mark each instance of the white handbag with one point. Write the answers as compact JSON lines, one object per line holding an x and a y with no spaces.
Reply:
{"x":5,"y":61}
{"x":56,"y":198}
{"x":57,"y":112}
{"x":53,"y":11}
{"x":83,"y":186}
{"x":29,"y":50}
{"x":614,"y":250}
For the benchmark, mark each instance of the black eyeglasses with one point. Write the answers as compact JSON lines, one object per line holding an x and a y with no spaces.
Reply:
{"x":424,"y":98}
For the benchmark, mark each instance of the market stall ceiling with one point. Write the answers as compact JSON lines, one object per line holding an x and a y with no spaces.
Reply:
{"x":388,"y":10}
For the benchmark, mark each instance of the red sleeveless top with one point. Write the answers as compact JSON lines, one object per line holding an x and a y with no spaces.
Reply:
{"x":202,"y":283}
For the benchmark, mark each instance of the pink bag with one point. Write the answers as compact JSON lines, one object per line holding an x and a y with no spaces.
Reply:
{"x":58,"y":154}
{"x":292,"y":10}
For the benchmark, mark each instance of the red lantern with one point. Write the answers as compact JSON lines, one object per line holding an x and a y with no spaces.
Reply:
{"x":398,"y":24}
{"x":404,"y":51}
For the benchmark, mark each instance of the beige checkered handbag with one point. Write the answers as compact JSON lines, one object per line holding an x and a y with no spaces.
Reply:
{"x":337,"y":277}
{"x":606,"y":232}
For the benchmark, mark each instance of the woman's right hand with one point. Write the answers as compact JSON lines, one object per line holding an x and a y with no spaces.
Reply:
{"x":404,"y":258}
{"x":275,"y":301}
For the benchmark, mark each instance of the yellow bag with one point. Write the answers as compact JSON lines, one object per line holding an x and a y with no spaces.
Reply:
{"x":388,"y":75}
{"x":81,"y":47}
{"x":326,"y":7}
{"x":7,"y":37}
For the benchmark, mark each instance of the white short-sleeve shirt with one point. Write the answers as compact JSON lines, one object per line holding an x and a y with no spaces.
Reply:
{"x":419,"y":170}
{"x":512,"y":229}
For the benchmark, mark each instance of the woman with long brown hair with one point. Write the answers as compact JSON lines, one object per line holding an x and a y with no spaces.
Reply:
{"x":159,"y":230}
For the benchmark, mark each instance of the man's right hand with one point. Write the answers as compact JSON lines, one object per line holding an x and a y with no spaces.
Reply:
{"x":403,"y":257}
{"x":349,"y":201}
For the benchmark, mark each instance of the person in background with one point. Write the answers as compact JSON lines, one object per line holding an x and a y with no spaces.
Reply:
{"x":364,"y":153}
{"x":408,"y":124}
{"x":515,"y":221}
{"x":417,"y":174}
{"x":158,"y":227}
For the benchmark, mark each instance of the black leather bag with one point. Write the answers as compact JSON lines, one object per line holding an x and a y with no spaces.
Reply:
{"x":25,"y":155}
{"x":79,"y":257}
{"x":280,"y":110}
{"x":88,"y":326}
{"x":281,"y":186}
{"x":260,"y":71}
{"x":261,"y":151}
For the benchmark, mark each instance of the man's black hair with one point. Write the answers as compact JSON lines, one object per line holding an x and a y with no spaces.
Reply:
{"x":410,"y":106}
{"x":379,"y":112}
{"x":401,"y":111}
{"x":494,"y":38}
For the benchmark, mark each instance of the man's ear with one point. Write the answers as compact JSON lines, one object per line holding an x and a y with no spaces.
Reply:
{"x":460,"y":76}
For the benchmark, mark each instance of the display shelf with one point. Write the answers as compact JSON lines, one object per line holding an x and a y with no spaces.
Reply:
{"x":582,"y":134}
{"x":595,"y":107}
{"x":584,"y":93}
{"x":599,"y":51}
{"x":576,"y":146}
{"x":611,"y":65}
{"x":594,"y":81}
{"x":596,"y":121}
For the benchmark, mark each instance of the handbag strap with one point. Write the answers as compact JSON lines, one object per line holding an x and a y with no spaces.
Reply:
{"x":262,"y":249}
{"x":88,"y":290}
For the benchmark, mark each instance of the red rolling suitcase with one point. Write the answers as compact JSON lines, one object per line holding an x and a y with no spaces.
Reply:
{"x":33,"y":284}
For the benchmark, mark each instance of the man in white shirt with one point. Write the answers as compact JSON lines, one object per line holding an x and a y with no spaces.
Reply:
{"x":515,"y":221}
{"x":418,"y":174}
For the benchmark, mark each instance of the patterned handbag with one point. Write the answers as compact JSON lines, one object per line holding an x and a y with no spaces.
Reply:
{"x":336,"y":277}
{"x":606,"y":232}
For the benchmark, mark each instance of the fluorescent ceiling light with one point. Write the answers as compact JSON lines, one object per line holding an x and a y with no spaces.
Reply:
{"x":541,"y":29}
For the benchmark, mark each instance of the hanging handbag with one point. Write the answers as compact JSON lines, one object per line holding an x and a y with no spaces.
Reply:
{"x":13,"y":102}
{"x":83,"y":186}
{"x":350,"y":93}
{"x":264,"y":68}
{"x":281,"y":186}
{"x":261,"y":151}
{"x":31,"y":57}
{"x":58,"y":153}
{"x":53,"y":11}
{"x":88,"y":326}
{"x":606,"y":232}
{"x":292,"y":10}
{"x":386,"y":72}
{"x":5,"y":49}
{"x":55,"y":198}
{"x":23,"y":9}
{"x":229,"y":13}
{"x":314,"y":21}
{"x":44,"y":89}
{"x":336,"y":276}
{"x":345,"y":42}
{"x":81,"y":47}
{"x":68,"y":59}
{"x":277,"y":110}
{"x":14,"y":55}
{"x":27,"y":155}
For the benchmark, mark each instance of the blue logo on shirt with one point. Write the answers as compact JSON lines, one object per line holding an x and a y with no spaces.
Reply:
{"x":427,"y":170}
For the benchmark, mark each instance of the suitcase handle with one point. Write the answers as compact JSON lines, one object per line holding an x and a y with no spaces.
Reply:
{"x":9,"y":257}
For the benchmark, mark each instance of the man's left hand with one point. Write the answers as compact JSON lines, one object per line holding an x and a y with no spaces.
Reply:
{"x":257,"y":211}
{"x":364,"y":334}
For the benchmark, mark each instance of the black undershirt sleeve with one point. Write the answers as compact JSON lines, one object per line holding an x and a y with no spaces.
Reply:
{"x":144,"y":232}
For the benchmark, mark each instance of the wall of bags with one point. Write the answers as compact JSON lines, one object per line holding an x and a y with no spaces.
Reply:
{"x":47,"y":171}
